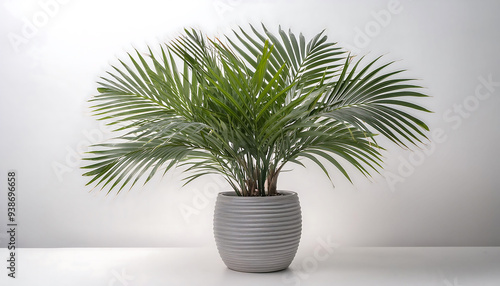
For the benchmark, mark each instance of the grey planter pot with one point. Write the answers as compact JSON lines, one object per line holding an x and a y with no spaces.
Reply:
{"x":257,"y":234}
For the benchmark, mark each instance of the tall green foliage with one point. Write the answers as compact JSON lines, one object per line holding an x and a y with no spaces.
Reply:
{"x":247,"y":105}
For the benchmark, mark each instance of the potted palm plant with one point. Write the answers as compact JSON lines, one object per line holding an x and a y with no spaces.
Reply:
{"x":245,"y":106}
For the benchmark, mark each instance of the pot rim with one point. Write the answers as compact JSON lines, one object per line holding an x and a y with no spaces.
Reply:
{"x":232,"y":194}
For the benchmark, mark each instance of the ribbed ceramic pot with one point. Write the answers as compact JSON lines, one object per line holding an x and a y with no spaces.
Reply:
{"x":257,"y":234}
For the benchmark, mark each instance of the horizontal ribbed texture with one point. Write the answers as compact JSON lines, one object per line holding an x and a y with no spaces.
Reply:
{"x":257,"y":234}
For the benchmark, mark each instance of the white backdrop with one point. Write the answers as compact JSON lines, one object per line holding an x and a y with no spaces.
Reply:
{"x":446,"y":194}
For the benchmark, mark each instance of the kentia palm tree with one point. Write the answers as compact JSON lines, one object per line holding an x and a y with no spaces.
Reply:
{"x":246,"y":106}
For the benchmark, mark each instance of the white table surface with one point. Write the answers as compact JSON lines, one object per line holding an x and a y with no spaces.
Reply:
{"x":202,"y":266}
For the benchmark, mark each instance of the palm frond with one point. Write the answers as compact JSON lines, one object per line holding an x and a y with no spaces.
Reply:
{"x":247,"y":107}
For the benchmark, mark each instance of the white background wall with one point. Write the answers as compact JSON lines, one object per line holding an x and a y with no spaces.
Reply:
{"x":52,"y":55}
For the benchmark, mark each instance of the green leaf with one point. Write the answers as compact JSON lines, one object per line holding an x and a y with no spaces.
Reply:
{"x":246,"y":104}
